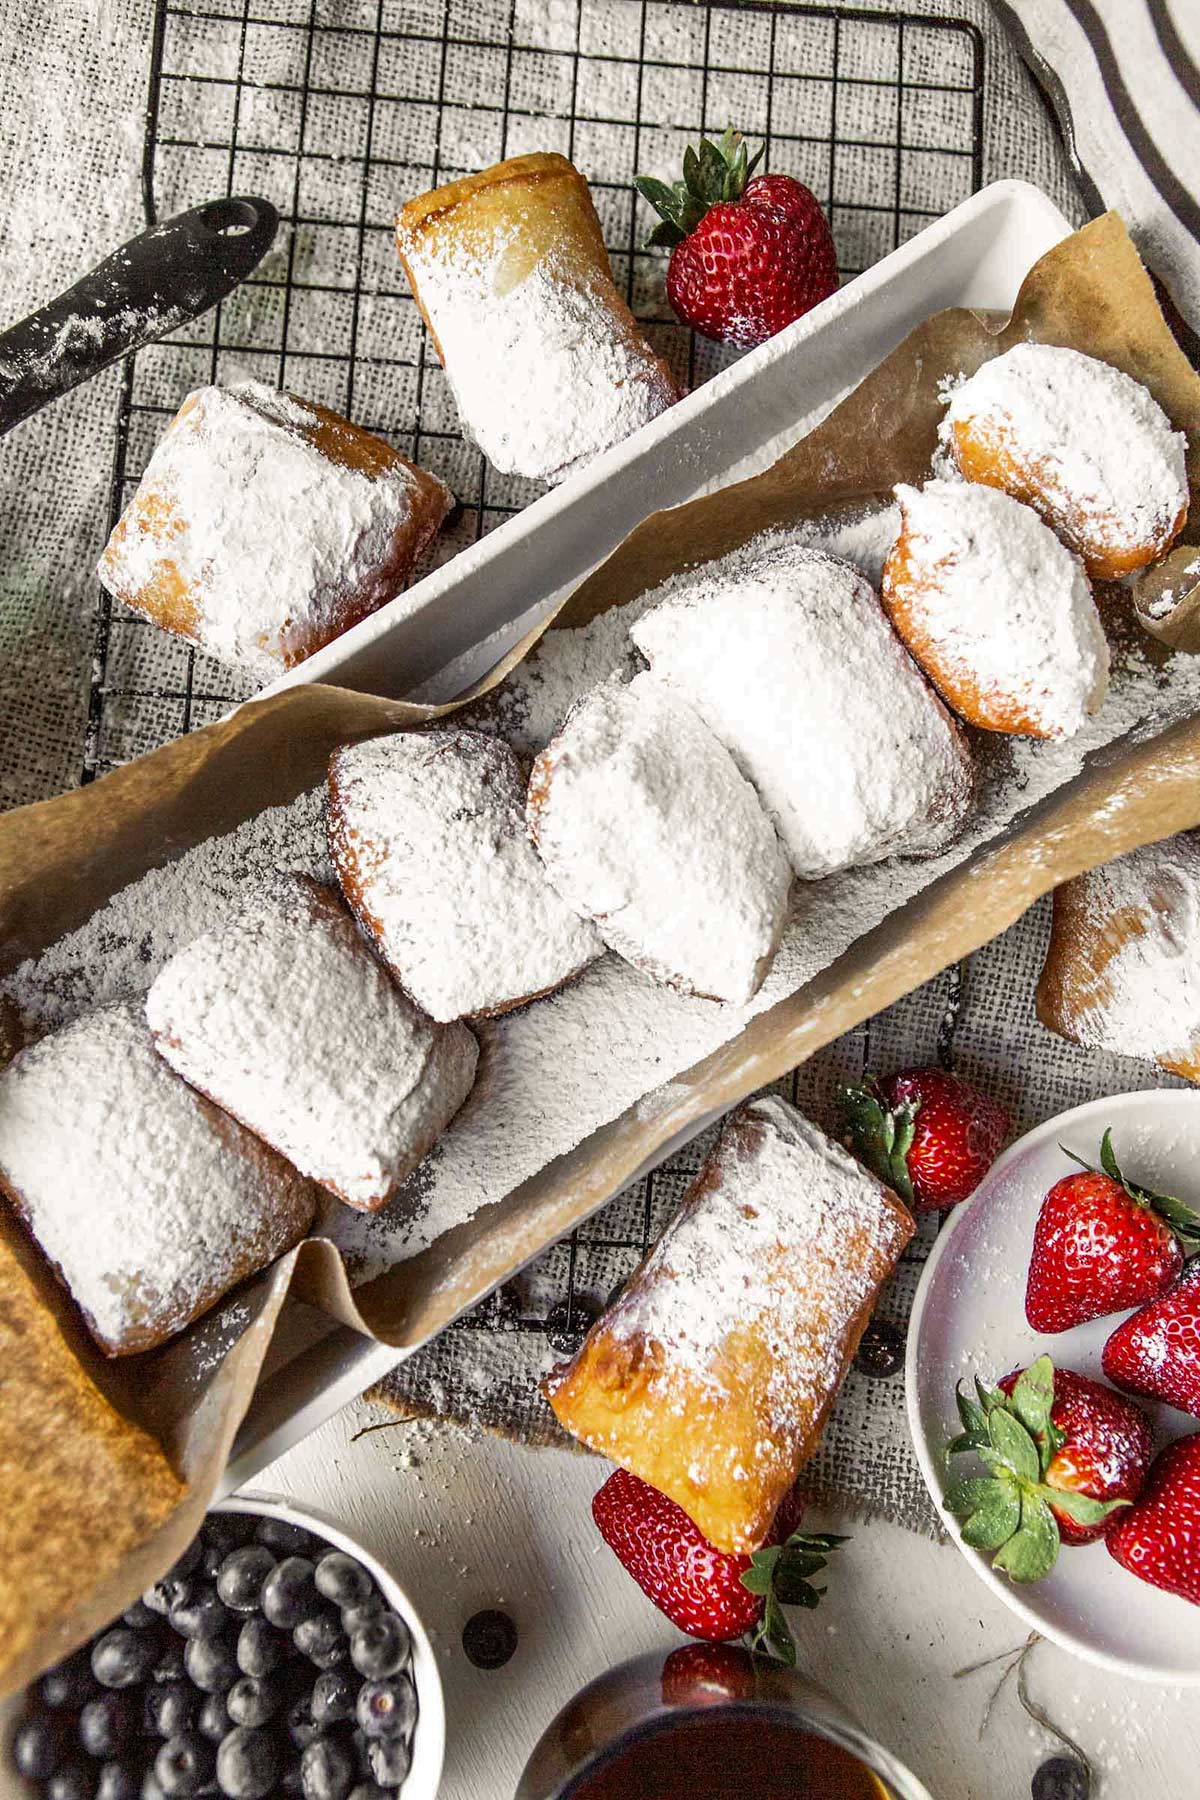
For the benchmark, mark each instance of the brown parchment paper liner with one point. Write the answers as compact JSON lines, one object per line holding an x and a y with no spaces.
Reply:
{"x":62,"y":859}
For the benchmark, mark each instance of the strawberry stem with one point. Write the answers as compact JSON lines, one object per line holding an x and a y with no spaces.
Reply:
{"x":1174,"y":1213}
{"x":715,"y":173}
{"x":780,"y":1573}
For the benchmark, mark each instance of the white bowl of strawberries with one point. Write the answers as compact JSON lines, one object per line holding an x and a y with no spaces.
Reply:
{"x":1053,"y":1381}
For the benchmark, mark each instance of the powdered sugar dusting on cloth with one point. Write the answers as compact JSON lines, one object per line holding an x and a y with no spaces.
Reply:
{"x":788,"y":1240}
{"x":1102,"y":456}
{"x":428,"y":833}
{"x":1150,"y":1004}
{"x":645,"y":825}
{"x":789,"y":660}
{"x":543,"y":370}
{"x":149,"y":1200}
{"x":277,"y":547}
{"x":1007,"y":609}
{"x":284,"y":1017}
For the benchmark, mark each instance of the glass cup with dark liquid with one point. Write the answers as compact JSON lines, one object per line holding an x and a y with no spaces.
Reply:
{"x":710,"y":1722}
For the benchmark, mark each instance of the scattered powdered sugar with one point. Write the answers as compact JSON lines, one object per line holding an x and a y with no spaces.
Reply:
{"x":283,"y":1017}
{"x":788,"y":658}
{"x":1094,"y":446}
{"x":1147,"y":999}
{"x":149,"y":1200}
{"x":428,"y":834}
{"x":275,"y":546}
{"x":1004,"y":609}
{"x":645,"y":825}
{"x":789,"y":1236}
{"x":545,"y":364}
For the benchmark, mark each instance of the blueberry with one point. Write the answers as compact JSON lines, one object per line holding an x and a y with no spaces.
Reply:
{"x":70,"y":1682}
{"x":283,"y":1537}
{"x":289,"y":1594}
{"x":201,"y":1615}
{"x":122,"y":1658}
{"x":489,"y":1638}
{"x":170,"y":1664}
{"x":333,"y":1696}
{"x":150,"y":1789}
{"x":380,"y":1647}
{"x":247,"y":1763}
{"x":386,"y":1708}
{"x":109,"y":1724}
{"x":184,"y":1764}
{"x":340,"y":1579}
{"x":355,"y":1617}
{"x":74,"y":1781}
{"x":321,"y":1637}
{"x":254,"y":1699}
{"x":290,"y":1783}
{"x":301,"y":1726}
{"x":326,"y":1770}
{"x":212,"y":1721}
{"x":368,"y":1790}
{"x":260,"y":1648}
{"x":390,"y":1759}
{"x":242,"y":1574}
{"x":170,"y":1707}
{"x":37,"y":1747}
{"x":119,"y":1781}
{"x":171,"y":1591}
{"x":1061,"y":1778}
{"x":230,"y":1529}
{"x":211,"y":1663}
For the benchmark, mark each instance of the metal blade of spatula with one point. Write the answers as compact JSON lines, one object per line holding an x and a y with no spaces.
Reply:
{"x":151,"y":285}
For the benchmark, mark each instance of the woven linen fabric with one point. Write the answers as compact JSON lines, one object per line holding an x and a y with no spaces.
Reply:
{"x":75,"y":74}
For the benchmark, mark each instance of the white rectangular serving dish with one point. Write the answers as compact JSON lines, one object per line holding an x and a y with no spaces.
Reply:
{"x":459,"y":620}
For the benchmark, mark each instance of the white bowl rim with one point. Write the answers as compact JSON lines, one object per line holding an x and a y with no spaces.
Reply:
{"x":1078,"y":1643}
{"x":429,"y":1739}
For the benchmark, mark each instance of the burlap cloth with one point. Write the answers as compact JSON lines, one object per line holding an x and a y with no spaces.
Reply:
{"x":74,"y":77}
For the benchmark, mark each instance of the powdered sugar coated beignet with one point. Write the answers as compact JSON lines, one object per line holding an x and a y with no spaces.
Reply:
{"x":789,"y":660}
{"x":1122,"y":969}
{"x":712,"y":1375}
{"x":285,"y":1019}
{"x":543,"y":356}
{"x":1084,"y":444}
{"x":265,"y":526}
{"x":150,"y":1201}
{"x":427,"y":833}
{"x":645,"y":825}
{"x":996,"y":611}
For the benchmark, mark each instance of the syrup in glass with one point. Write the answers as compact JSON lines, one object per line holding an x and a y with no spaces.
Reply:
{"x":727,"y":1754}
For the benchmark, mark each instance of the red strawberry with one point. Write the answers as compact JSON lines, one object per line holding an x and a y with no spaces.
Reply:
{"x":1063,"y":1456}
{"x":1157,"y":1351}
{"x":927,"y":1133}
{"x":1104,"y":1449}
{"x":1159,"y":1538}
{"x":704,"y":1591}
{"x":747,"y":257}
{"x":1102,"y":1244}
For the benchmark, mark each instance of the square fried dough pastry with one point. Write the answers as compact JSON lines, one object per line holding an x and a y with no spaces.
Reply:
{"x":265,"y":526}
{"x":427,"y":834}
{"x":787,"y":657}
{"x":646,"y":826}
{"x":149,"y":1200}
{"x":284,"y":1018}
{"x":712,"y":1374}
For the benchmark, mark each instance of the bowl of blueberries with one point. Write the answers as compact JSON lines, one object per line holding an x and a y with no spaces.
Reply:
{"x":274,"y":1658}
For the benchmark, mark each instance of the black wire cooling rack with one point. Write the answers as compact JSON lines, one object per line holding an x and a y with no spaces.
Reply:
{"x":338,"y":110}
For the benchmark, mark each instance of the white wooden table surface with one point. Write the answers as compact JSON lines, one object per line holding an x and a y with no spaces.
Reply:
{"x":469,"y":1523}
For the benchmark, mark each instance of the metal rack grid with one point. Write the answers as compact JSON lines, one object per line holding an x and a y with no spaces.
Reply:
{"x":337,"y":110}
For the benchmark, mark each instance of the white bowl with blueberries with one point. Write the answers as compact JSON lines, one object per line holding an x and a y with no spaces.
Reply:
{"x":275,"y":1658}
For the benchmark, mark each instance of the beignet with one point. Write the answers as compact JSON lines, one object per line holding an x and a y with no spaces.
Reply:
{"x":1122,"y":969}
{"x":712,"y":1374}
{"x":646,"y":826}
{"x":545,"y":361}
{"x":265,"y":526}
{"x":284,"y":1018}
{"x":427,"y":834}
{"x":792,"y":664}
{"x":1084,"y":444}
{"x":996,"y":611}
{"x":148,"y":1199}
